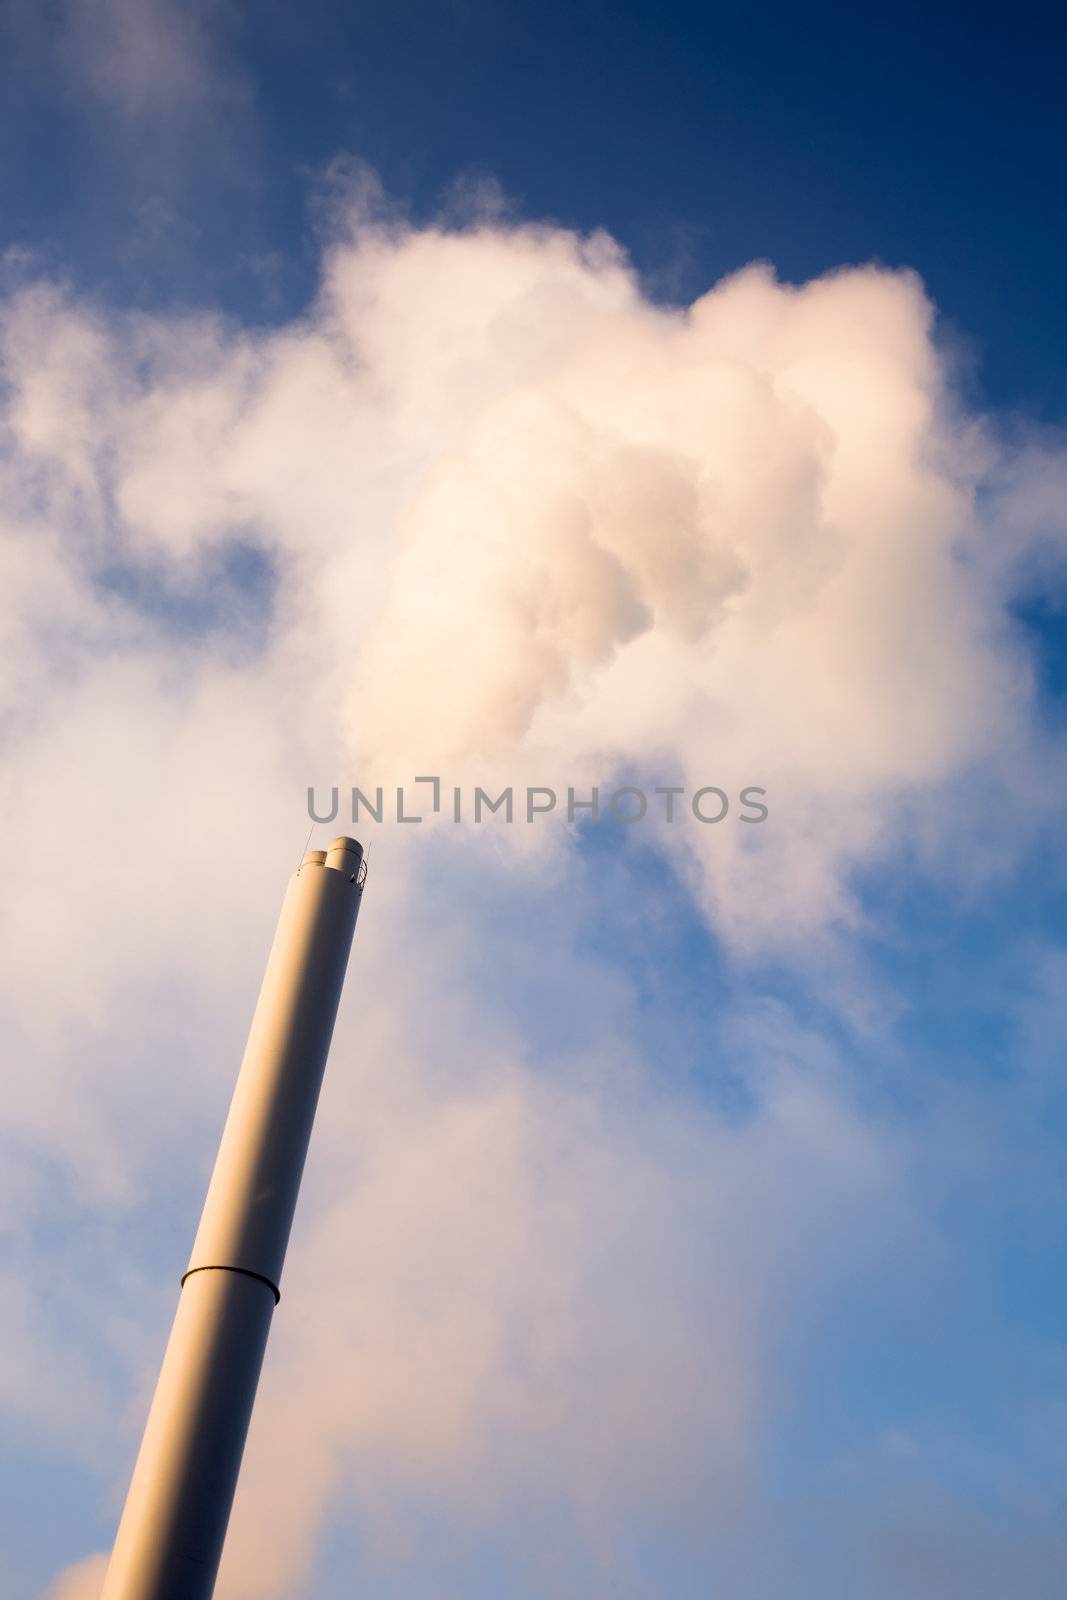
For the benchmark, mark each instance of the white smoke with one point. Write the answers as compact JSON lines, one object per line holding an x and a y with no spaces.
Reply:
{"x":522,"y":525}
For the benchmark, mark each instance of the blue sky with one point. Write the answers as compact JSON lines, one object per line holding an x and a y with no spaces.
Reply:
{"x":699,"y":1193}
{"x":703,"y":138}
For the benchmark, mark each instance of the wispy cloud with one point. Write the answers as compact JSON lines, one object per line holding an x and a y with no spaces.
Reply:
{"x":147,"y":59}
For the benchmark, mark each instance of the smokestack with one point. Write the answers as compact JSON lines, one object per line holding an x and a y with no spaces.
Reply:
{"x":170,"y":1538}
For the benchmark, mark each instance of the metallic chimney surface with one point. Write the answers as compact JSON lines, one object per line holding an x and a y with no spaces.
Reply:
{"x":170,"y":1538}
